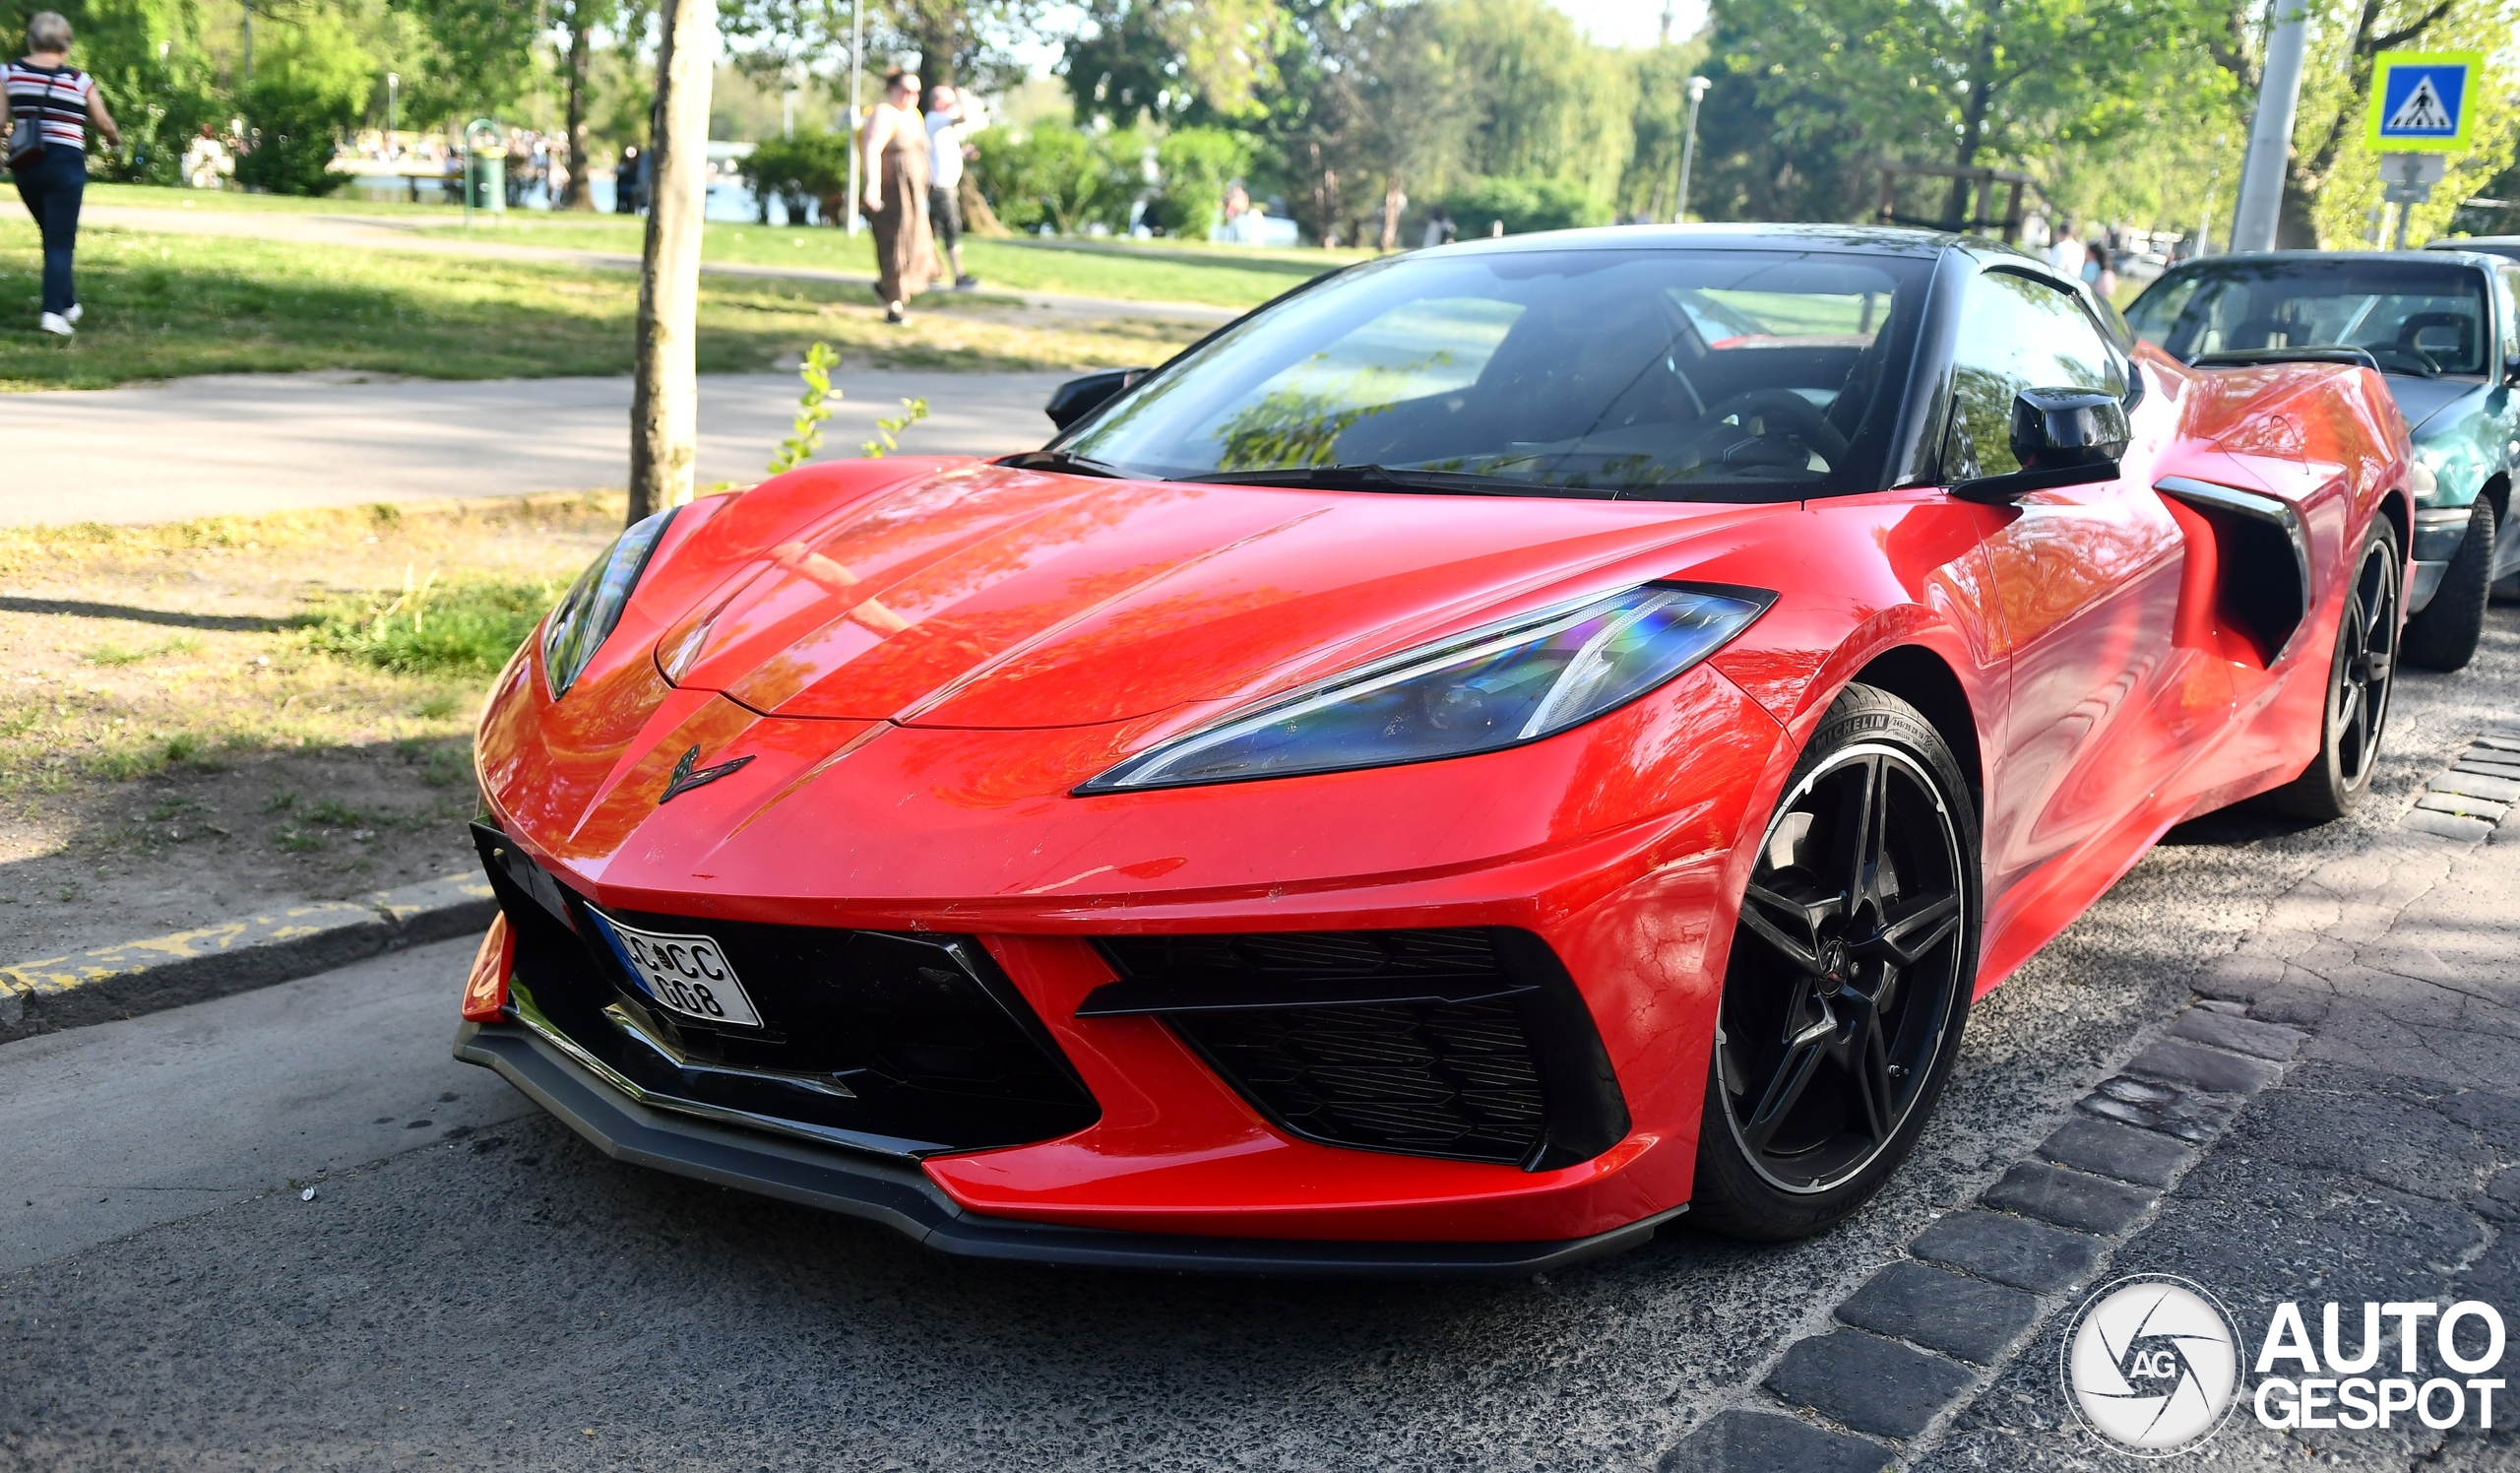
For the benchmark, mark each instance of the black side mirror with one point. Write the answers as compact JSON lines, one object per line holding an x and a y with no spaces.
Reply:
{"x":2054,"y":429}
{"x":1079,"y":397}
{"x":2061,"y":437}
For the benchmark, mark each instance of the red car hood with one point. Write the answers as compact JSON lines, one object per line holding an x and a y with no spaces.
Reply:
{"x":992,"y":597}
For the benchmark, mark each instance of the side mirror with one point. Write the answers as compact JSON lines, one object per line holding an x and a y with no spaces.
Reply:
{"x":2061,"y":437}
{"x":1079,"y":397}
{"x":2054,"y":428}
{"x":2512,"y":368}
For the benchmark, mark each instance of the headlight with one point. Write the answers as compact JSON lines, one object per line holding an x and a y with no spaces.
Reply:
{"x":592,"y":606}
{"x":1491,"y":689}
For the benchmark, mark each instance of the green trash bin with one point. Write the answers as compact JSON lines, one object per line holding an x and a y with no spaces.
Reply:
{"x":485,"y":166}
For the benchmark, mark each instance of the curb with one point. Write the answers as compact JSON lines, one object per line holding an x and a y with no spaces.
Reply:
{"x":121,"y":981}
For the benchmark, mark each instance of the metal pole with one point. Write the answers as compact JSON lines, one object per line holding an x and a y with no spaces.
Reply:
{"x":856,"y":71}
{"x":393,"y":92}
{"x":1689,"y":151}
{"x":2270,"y":134}
{"x":2405,"y":208}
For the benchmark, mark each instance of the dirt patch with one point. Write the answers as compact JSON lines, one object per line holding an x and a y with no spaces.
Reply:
{"x":210,"y":718}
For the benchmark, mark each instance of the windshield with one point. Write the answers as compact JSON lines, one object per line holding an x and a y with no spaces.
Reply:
{"x":2413,"y":317}
{"x":1652,"y":372}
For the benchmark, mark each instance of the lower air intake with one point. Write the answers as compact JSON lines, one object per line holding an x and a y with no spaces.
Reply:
{"x":1470,"y":1044}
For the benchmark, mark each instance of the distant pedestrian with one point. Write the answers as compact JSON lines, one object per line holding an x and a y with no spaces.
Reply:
{"x":895,"y":147}
{"x":53,"y":103}
{"x":948,"y":116}
{"x":2100,"y":269}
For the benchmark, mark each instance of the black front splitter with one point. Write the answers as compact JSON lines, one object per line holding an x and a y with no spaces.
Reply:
{"x":901,"y":1196}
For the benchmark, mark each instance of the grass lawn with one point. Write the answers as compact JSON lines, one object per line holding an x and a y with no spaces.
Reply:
{"x":1128,"y":272}
{"x":167,"y":306}
{"x":281,"y":700}
{"x":1132,"y":271}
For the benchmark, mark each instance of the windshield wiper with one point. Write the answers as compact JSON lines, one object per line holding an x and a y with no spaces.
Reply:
{"x":1060,"y":460}
{"x":1371,"y":478}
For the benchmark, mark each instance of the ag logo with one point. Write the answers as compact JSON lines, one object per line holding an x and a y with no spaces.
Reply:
{"x":2152,"y":1365}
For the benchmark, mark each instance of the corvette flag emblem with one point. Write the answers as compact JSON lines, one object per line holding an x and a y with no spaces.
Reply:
{"x":686,"y":775}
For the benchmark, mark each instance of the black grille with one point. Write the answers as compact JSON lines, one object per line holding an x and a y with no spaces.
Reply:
{"x":1463,"y":1043}
{"x":902,"y":1042}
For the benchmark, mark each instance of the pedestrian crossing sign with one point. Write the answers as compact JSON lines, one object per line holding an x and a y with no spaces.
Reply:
{"x":2423,"y":101}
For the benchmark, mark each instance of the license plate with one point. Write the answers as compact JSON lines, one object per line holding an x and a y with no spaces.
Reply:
{"x":687,"y":975}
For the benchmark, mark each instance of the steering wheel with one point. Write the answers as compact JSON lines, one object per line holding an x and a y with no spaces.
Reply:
{"x":1799,"y":414}
{"x":2410,"y":333}
{"x":2406,"y":355}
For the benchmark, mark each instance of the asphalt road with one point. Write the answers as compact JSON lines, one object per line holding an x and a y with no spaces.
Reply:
{"x":508,"y":1296}
{"x":238,"y":445}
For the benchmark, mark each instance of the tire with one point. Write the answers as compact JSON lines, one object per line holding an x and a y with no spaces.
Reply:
{"x":1850,"y":979}
{"x":2444,"y":635}
{"x":2361,"y":673}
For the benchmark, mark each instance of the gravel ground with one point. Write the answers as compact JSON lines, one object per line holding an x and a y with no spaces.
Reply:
{"x":512,"y":1296}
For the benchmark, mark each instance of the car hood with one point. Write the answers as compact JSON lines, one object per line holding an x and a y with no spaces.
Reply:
{"x":2422,"y":400}
{"x":985,"y":597}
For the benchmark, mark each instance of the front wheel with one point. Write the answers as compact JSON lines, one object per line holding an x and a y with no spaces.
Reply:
{"x":1850,"y":979}
{"x":2361,"y":673}
{"x":2444,"y":635}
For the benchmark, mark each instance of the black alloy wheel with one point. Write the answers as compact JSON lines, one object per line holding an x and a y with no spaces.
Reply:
{"x":2360,"y":672}
{"x":1849,"y":978}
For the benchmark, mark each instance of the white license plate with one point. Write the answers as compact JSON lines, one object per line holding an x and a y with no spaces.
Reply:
{"x":687,"y":975}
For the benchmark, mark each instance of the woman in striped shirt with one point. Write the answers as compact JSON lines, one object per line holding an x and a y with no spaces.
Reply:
{"x":52,"y":174}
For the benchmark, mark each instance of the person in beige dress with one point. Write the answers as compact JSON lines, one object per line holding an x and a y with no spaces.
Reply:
{"x":895,"y":145}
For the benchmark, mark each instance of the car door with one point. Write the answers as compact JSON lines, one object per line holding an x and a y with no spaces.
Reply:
{"x":2103,"y":706}
{"x":2503,"y":406}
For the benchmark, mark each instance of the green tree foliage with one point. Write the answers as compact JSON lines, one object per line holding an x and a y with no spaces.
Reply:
{"x":1177,"y":61}
{"x":146,"y":57}
{"x":1520,"y":204}
{"x":1196,"y":164}
{"x":813,"y":166}
{"x":296,"y":129}
{"x":1545,"y":102}
{"x":1811,"y":93}
{"x":1061,"y":176}
{"x":959,"y":41}
{"x":311,"y":84}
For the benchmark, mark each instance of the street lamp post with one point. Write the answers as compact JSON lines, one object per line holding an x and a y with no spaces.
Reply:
{"x":1689,"y":151}
{"x":2270,"y":134}
{"x":393,"y":96}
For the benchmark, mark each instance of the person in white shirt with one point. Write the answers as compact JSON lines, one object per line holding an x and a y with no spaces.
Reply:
{"x":947,"y":117}
{"x":2066,"y":255}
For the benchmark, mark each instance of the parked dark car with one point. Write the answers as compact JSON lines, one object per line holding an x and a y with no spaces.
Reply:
{"x":2443,"y":329}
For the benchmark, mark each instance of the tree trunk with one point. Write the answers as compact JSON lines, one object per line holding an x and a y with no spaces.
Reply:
{"x":1973,"y":133}
{"x":977,"y":218}
{"x":579,"y":195}
{"x":665,"y":401}
{"x":1393,"y":202}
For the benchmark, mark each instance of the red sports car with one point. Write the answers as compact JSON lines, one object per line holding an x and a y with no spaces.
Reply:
{"x":1498,"y":748}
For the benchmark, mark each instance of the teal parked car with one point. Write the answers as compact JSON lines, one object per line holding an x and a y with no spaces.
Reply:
{"x":2443,"y":330}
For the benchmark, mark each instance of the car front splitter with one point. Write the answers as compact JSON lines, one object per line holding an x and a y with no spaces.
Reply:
{"x":899,"y":1196}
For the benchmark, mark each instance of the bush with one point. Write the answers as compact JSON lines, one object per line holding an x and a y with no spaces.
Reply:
{"x":1523,"y":204}
{"x":813,"y":166}
{"x":1058,"y":175}
{"x":297,"y":127}
{"x":1196,"y":164}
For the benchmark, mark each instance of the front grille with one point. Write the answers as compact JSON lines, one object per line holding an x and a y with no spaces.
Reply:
{"x":909,"y":1044}
{"x":1466,"y":1043}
